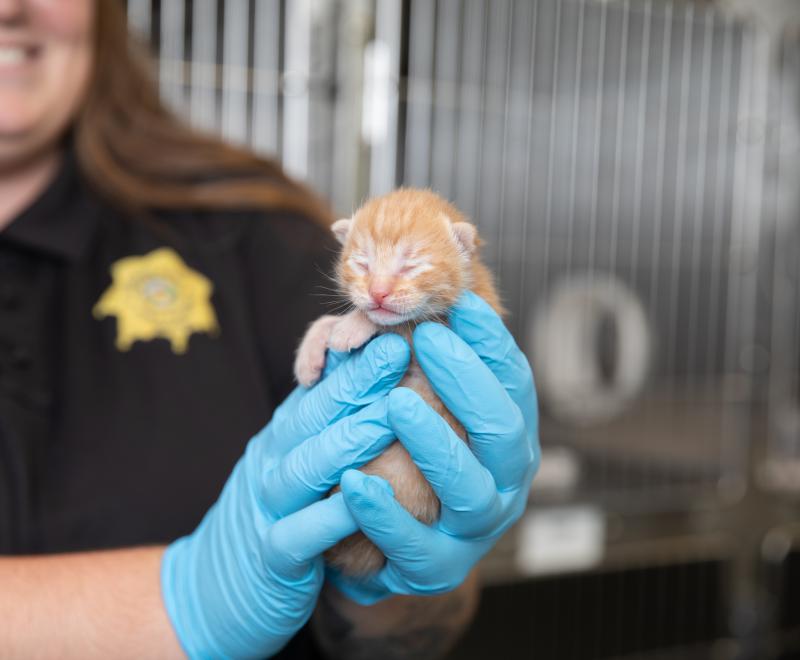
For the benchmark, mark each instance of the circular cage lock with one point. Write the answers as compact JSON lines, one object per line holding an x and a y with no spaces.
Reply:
{"x":591,"y":347}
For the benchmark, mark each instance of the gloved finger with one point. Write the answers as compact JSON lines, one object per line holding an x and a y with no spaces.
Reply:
{"x":471,"y":506}
{"x":399,"y":535}
{"x":294,"y":541}
{"x":420,"y":559}
{"x":366,"y":590}
{"x":312,"y":468}
{"x":332,"y":361}
{"x":483,"y":330}
{"x":470,"y":390}
{"x":365,"y":377}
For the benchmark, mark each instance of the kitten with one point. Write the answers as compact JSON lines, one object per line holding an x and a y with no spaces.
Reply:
{"x":406,"y":258}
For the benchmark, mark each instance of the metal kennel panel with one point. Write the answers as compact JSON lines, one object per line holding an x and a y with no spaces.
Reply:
{"x":604,"y":150}
{"x":670,"y":610}
{"x":290,"y":79}
{"x":778,"y":349}
{"x":611,"y":154}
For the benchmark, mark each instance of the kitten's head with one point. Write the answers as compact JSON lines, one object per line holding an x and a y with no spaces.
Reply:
{"x":406,"y":256}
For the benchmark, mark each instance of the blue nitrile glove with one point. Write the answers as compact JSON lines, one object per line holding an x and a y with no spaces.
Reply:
{"x":248,"y":578}
{"x":485,"y":380}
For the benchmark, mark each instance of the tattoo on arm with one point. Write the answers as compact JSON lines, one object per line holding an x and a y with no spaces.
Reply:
{"x":423,"y":628}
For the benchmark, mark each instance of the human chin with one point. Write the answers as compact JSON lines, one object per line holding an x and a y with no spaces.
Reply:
{"x":20,"y":112}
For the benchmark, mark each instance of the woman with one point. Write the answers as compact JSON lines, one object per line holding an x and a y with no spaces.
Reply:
{"x":153,"y":284}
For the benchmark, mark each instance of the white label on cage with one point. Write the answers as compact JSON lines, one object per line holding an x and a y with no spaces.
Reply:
{"x":559,"y":471}
{"x":561,"y":539}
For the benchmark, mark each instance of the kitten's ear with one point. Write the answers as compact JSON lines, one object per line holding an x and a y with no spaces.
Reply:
{"x":341,"y":228}
{"x":466,"y":236}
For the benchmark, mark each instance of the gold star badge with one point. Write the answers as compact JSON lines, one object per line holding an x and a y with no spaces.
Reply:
{"x":157,"y":295}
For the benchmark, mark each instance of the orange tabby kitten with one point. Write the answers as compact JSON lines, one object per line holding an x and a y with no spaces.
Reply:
{"x":406,"y":258}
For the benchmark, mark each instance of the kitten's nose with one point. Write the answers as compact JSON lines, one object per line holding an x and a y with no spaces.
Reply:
{"x":379,"y":289}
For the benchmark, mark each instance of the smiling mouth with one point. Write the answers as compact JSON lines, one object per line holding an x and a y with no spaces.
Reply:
{"x":13,"y":57}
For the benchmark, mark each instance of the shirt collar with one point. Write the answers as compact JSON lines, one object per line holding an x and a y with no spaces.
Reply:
{"x":62,"y":220}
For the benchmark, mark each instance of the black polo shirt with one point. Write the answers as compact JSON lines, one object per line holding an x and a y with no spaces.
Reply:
{"x":114,"y":431}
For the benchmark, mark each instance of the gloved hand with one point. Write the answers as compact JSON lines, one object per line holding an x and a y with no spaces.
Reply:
{"x":484,"y":379}
{"x":247,"y":579}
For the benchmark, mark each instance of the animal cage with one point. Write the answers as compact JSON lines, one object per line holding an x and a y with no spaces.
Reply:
{"x":615,"y":158}
{"x":605,"y":192}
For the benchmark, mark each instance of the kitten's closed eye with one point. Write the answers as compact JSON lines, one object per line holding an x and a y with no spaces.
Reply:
{"x":359,"y":264}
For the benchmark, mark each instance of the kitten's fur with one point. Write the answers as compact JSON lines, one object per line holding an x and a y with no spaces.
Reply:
{"x":417,"y":246}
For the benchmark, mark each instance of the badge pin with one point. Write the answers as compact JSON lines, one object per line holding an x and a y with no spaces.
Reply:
{"x":157,"y":295}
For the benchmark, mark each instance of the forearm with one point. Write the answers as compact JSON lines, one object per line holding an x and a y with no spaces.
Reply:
{"x":419,"y":627}
{"x":86,"y":605}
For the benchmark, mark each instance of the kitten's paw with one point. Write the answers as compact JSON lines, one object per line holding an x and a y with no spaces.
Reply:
{"x":310,"y":360}
{"x":308,"y":368}
{"x":351,"y":332}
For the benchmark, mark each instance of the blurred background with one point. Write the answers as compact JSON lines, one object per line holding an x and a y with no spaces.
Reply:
{"x":634,"y":167}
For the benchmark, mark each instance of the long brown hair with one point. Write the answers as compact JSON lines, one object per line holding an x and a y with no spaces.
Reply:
{"x":140,"y":156}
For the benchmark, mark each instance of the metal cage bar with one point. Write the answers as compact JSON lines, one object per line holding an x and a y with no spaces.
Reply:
{"x":610,"y":155}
